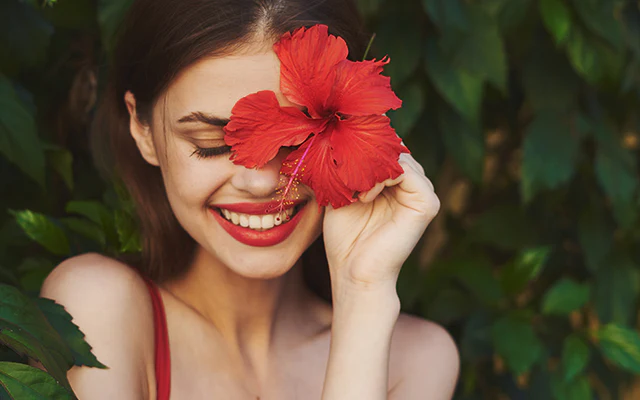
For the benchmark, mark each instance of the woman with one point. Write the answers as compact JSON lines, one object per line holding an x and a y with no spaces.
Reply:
{"x":226,"y":277}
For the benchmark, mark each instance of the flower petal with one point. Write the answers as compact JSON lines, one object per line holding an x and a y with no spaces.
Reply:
{"x":319,"y":172}
{"x":307,"y":66}
{"x":366,"y":150}
{"x":359,"y":89}
{"x":259,"y":127}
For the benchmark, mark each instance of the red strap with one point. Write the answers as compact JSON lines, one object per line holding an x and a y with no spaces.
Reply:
{"x":162,"y":353}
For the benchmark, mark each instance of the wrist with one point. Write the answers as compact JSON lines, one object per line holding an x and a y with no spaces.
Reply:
{"x":369,"y":302}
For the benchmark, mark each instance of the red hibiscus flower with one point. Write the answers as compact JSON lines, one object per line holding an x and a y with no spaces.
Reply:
{"x":344,"y":143}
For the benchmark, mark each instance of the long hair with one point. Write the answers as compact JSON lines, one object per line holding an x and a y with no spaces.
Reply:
{"x":159,"y":39}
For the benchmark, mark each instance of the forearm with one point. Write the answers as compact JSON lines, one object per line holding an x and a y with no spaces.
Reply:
{"x":358,"y":366}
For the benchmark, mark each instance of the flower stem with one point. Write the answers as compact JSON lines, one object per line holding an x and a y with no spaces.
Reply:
{"x":293,"y":180}
{"x":366,"y":52}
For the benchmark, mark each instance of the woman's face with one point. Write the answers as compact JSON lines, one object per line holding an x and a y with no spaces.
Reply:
{"x":213,"y":198}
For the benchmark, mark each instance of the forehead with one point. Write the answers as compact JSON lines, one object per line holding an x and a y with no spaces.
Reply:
{"x":214,"y":85}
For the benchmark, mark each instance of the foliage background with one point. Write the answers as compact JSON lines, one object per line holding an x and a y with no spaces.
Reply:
{"x":523,"y":112}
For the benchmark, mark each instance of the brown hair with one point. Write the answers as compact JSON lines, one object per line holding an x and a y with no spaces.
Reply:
{"x":158,"y":40}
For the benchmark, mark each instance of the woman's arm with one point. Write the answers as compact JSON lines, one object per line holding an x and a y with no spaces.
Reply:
{"x":361,"y":333}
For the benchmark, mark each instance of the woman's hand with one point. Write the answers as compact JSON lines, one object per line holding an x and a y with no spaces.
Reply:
{"x":368,"y":241}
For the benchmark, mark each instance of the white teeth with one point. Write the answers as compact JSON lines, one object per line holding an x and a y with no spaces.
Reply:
{"x":235,"y":218}
{"x":244,"y":221}
{"x":267,"y":222}
{"x":255,"y":222}
{"x":258,"y":222}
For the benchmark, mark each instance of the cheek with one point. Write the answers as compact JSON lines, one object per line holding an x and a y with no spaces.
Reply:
{"x":191,"y":181}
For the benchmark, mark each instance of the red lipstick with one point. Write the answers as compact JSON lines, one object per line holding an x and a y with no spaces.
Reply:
{"x":251,"y":237}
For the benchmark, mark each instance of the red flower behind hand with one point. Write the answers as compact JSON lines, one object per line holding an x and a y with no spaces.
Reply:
{"x":345,"y":143}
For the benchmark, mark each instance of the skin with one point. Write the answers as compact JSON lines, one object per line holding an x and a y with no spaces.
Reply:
{"x":242,"y":324}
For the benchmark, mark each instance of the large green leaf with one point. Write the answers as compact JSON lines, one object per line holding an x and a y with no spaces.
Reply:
{"x":524,"y":269}
{"x":557,"y":18}
{"x":97,"y":213}
{"x":575,"y":356}
{"x":43,"y":230}
{"x":110,"y":16}
{"x":595,"y":233}
{"x":405,"y":118}
{"x":24,"y":35}
{"x":478,"y":277}
{"x":621,"y":346}
{"x":400,"y":27}
{"x":578,"y":389}
{"x":19,"y":141}
{"x":23,"y":382}
{"x":549,"y":82}
{"x":62,"y":162}
{"x":479,"y":50}
{"x":25,"y":329}
{"x":617,"y":173}
{"x":515,"y":340}
{"x":551,"y":152}
{"x":504,"y":226}
{"x":584,"y":56}
{"x":616,"y":293}
{"x":464,"y":141}
{"x":599,"y":17}
{"x":447,"y":14}
{"x":461,"y":89}
{"x":448,"y":306}
{"x":565,"y":296}
{"x":60,"y":319}
{"x":128,"y":233}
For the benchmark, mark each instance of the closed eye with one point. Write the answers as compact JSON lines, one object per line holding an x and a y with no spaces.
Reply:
{"x":206,"y":152}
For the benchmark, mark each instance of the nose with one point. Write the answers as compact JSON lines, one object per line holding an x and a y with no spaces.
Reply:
{"x":259,"y":182}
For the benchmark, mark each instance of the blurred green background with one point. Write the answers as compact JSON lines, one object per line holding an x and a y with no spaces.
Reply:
{"x":525,"y":114}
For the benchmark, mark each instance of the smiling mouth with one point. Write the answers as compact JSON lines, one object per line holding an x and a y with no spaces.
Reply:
{"x":260,"y":222}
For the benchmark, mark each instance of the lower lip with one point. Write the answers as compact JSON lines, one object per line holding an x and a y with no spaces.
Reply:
{"x":248,"y":236}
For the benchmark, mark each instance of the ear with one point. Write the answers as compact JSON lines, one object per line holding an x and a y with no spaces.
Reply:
{"x":140,"y":132}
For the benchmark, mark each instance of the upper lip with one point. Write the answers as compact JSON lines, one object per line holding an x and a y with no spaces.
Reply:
{"x":258,"y":208}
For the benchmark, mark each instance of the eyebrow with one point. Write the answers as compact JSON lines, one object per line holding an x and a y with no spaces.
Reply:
{"x":199,"y":116}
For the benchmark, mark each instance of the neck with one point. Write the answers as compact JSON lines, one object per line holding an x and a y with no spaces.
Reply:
{"x":253,"y":316}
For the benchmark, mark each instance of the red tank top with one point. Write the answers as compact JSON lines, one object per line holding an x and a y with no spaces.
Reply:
{"x":161,"y":335}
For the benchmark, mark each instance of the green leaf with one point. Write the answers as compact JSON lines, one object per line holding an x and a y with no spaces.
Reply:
{"x":19,"y":141}
{"x":584,"y":56}
{"x":479,"y":51}
{"x":461,"y":89}
{"x":400,"y":27}
{"x":127,"y":233}
{"x":110,"y":16}
{"x":599,"y":17}
{"x":25,"y":329}
{"x":595,"y":233}
{"x":621,"y":346}
{"x":551,"y":152}
{"x":405,"y":118}
{"x":565,"y":296}
{"x":616,"y":173}
{"x":446,"y":14}
{"x":62,"y":162}
{"x":61,"y":321}
{"x":85,"y":228}
{"x":97,"y":213}
{"x":524,"y":269}
{"x":549,"y":82}
{"x":449,"y":305}
{"x":464,"y":141}
{"x":478,"y":277}
{"x":557,"y":18}
{"x":514,"y":340}
{"x":616,"y":292}
{"x":575,"y":356}
{"x":578,"y":389}
{"x":24,"y":382}
{"x":33,"y":272}
{"x":504,"y":226}
{"x":43,"y":230}
{"x":24,"y":36}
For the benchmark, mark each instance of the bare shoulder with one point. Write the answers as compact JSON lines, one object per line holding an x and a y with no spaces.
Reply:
{"x":424,"y":360}
{"x":110,"y":303}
